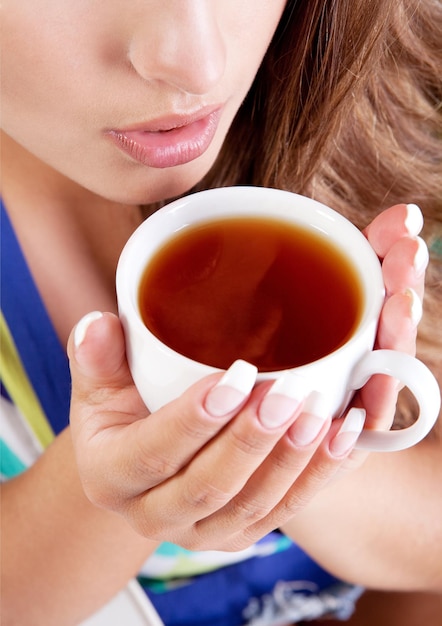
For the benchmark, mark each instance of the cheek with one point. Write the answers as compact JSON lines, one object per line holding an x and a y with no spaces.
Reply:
{"x":38,"y":76}
{"x":252,"y":26}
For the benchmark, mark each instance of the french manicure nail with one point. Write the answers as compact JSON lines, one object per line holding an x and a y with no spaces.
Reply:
{"x":82,"y":326}
{"x":232,"y":389}
{"x":416,"y":309}
{"x":421,"y":257}
{"x":311,"y":421}
{"x":414,"y":221}
{"x":349,"y":432}
{"x":282,"y":400}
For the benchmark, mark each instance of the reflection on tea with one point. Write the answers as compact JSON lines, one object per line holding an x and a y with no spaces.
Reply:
{"x":263,"y":290}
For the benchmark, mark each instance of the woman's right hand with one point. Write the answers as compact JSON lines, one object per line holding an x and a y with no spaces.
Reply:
{"x":217,"y":468}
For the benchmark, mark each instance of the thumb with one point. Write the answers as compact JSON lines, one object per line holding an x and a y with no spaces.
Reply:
{"x":104,"y":404}
{"x":97,"y":355}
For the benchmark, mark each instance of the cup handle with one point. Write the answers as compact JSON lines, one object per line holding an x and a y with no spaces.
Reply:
{"x":419,"y":380}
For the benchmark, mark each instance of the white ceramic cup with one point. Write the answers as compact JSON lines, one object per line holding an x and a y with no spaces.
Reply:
{"x":161,"y":374}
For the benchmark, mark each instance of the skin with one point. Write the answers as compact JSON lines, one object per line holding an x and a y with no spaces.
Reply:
{"x":117,"y":70}
{"x":73,"y":199}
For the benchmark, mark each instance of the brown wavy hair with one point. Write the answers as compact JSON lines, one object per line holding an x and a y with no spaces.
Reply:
{"x":347,"y":108}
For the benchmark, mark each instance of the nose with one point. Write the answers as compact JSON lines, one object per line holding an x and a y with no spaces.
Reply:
{"x":181,"y":45}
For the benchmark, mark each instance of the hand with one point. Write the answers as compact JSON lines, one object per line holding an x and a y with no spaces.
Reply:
{"x":212,"y":475}
{"x":394,"y":236}
{"x":215,"y":469}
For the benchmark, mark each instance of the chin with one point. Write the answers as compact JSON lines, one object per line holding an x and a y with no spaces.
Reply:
{"x":150,"y":186}
{"x":145,"y":195}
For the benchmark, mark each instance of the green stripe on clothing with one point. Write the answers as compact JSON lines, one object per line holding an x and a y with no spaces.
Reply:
{"x":19,"y":388}
{"x":10,"y":464}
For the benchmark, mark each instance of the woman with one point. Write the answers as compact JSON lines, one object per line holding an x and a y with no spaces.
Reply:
{"x":110,"y":106}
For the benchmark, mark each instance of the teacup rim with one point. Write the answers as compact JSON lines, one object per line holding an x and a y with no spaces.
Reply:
{"x":371,"y":309}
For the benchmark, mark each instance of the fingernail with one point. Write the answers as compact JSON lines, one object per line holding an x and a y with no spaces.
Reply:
{"x":311,"y":421}
{"x":414,"y":221}
{"x":421,"y":257}
{"x":282,"y":400}
{"x":349,"y":432}
{"x":416,"y":309}
{"x":83,"y":325}
{"x":232,"y":389}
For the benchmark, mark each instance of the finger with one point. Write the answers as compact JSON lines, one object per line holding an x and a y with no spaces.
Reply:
{"x":98,"y":364}
{"x":398,"y":322}
{"x":103,"y":401}
{"x":401,"y":220}
{"x":220,"y":470}
{"x":121,"y":449}
{"x":329,"y":458}
{"x":404,"y":266}
{"x":397,"y":331}
{"x":274,"y":477}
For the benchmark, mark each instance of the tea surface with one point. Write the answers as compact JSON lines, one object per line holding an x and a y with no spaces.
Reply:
{"x":262,"y":290}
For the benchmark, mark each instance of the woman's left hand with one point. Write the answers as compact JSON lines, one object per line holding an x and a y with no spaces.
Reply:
{"x":393,"y":234}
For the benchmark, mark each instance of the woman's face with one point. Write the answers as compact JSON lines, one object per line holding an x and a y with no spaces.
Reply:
{"x":131,"y":99}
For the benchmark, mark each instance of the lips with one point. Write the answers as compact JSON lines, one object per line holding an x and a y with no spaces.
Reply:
{"x":170,"y":141}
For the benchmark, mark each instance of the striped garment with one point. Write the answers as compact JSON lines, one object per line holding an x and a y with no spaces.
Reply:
{"x":256,"y":586}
